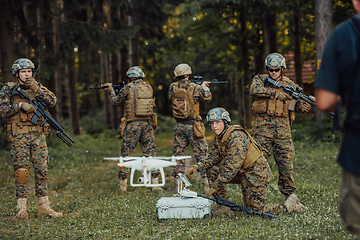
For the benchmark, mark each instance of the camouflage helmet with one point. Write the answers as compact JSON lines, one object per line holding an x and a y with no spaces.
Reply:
{"x":182,"y":69}
{"x":135,"y":72}
{"x":275,"y":60}
{"x":217,"y":114}
{"x":22,"y":63}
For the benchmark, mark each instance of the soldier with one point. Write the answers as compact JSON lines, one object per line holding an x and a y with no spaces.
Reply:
{"x":236,"y":158}
{"x":139,"y":103}
{"x":28,"y":141}
{"x":275,"y":111}
{"x":185,"y":97}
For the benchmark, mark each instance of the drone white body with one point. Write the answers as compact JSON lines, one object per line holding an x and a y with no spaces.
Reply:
{"x":146,"y":165}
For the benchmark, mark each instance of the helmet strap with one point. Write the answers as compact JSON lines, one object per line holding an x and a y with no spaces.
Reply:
{"x":226,"y":125}
{"x":18,"y":77}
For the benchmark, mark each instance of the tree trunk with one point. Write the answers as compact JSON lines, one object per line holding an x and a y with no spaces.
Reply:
{"x":270,"y":29}
{"x":92,"y":83}
{"x":104,"y":77}
{"x":48,"y":37}
{"x":246,"y":67}
{"x":60,"y":69}
{"x":323,"y":27}
{"x":134,"y":41}
{"x":297,"y":50}
{"x":115,"y":79}
{"x":72,"y":96}
{"x":109,"y":77}
{"x":123,"y":65}
{"x":7,"y":43}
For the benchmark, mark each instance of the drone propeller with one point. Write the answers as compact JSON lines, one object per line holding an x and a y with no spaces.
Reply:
{"x":176,"y":157}
{"x":113,"y":158}
{"x":123,"y":158}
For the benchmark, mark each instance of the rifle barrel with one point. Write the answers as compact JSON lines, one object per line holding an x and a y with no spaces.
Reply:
{"x":235,"y":207}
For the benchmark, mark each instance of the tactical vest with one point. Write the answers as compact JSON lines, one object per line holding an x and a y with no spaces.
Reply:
{"x":20,"y":123}
{"x":140,"y":102}
{"x":274,"y":107}
{"x":183,"y":103}
{"x":254,"y":153}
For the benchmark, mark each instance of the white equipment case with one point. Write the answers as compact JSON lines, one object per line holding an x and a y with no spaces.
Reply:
{"x":180,"y":207}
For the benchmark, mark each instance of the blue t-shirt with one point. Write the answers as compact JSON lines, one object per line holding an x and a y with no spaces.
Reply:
{"x":337,"y":74}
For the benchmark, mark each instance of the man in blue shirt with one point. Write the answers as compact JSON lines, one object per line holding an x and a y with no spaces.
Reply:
{"x":338,"y":80}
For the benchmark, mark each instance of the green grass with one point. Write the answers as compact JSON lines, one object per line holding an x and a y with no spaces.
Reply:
{"x":84,"y":187}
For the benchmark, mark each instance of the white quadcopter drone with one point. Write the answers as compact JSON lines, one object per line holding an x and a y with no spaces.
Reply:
{"x":146,"y":165}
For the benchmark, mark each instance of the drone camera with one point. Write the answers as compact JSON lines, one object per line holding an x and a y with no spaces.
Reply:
{"x":141,"y":180}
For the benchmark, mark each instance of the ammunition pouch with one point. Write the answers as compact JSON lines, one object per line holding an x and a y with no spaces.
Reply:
{"x":122,"y":126}
{"x":13,"y":129}
{"x":153,"y":119}
{"x":275,"y":107}
{"x":199,"y":128}
{"x":259,"y":106}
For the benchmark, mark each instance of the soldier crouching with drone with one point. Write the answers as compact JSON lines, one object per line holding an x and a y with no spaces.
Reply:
{"x":137,"y":127}
{"x":237,"y":159}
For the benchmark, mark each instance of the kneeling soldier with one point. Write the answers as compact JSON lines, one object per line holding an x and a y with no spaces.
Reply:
{"x":236,"y":158}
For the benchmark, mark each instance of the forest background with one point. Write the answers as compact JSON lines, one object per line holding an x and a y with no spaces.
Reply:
{"x":84,"y":43}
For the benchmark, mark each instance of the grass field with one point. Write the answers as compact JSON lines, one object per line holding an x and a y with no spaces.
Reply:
{"x":85,"y":188}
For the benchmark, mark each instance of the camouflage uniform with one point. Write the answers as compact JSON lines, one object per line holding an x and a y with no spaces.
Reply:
{"x":28,"y":146}
{"x":135,"y":131}
{"x":184,"y":131}
{"x":273,"y":132}
{"x":224,"y":166}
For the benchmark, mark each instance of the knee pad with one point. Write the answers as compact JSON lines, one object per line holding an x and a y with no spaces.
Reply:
{"x":22,"y":175}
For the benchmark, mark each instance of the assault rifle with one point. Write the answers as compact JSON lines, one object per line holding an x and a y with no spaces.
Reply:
{"x":294,"y":93}
{"x":117,"y":88}
{"x":39,"y":106}
{"x":235,"y":207}
{"x":198,"y":80}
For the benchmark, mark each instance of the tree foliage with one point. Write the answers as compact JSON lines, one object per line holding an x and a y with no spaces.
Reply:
{"x":226,"y":40}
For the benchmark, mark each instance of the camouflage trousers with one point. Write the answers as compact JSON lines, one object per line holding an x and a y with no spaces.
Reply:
{"x":273,"y":134}
{"x":143,"y":133}
{"x":31,"y":146}
{"x":254,"y":182}
{"x":283,"y":154}
{"x":183,"y":136}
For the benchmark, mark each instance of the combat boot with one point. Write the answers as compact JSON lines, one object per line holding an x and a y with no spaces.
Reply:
{"x":21,"y":206}
{"x":156,"y":181}
{"x":223,"y":210}
{"x":206,"y":184}
{"x":45,"y":209}
{"x":122,"y":185}
{"x":293,"y":204}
